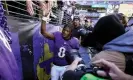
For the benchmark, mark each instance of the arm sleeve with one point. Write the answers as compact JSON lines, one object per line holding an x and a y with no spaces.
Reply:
{"x":72,"y":75}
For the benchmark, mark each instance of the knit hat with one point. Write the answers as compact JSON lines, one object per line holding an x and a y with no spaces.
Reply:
{"x":76,"y":18}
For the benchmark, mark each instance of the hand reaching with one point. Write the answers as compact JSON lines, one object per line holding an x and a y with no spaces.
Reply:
{"x":74,"y":64}
{"x":29,"y":5}
{"x":114,"y":72}
{"x":46,"y":7}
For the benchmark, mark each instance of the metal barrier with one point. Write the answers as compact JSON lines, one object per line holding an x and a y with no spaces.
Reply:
{"x":18,"y":9}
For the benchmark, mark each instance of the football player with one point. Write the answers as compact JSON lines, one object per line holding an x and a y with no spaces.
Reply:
{"x":63,"y":42}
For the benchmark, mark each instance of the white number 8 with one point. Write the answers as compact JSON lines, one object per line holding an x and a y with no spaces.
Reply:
{"x":61,"y":52}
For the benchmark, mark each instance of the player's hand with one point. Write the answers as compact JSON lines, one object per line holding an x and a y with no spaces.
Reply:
{"x":114,"y":72}
{"x":74,"y":64}
{"x":29,"y":5}
{"x":46,"y":8}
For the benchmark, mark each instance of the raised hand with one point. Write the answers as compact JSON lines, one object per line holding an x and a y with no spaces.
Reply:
{"x":29,"y":5}
{"x":46,"y":7}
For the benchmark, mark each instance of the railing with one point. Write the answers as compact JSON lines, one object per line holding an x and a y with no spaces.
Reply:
{"x":18,"y":9}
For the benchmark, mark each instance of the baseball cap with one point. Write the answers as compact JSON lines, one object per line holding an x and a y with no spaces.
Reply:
{"x":76,"y":17}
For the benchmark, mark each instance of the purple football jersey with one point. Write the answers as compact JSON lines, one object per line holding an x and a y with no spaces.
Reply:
{"x":62,"y":47}
{"x":8,"y":66}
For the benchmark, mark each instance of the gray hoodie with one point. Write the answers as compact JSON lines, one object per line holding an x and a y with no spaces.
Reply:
{"x":123,"y":43}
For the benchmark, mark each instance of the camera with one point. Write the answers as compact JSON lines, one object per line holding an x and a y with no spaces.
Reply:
{"x":84,"y":67}
{"x":84,"y":54}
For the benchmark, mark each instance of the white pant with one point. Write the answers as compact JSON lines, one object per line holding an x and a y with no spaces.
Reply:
{"x":57,"y":72}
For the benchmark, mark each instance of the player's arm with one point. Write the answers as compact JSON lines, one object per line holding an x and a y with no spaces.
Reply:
{"x":46,"y":13}
{"x":44,"y":32}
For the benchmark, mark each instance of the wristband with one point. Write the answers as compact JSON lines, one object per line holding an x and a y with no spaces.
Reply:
{"x":45,"y":19}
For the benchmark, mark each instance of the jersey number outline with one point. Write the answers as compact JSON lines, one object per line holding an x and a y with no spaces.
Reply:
{"x":61,"y":52}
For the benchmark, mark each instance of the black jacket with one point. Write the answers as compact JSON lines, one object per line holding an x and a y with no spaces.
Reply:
{"x":72,"y":75}
{"x":90,"y":28}
{"x":76,"y":33}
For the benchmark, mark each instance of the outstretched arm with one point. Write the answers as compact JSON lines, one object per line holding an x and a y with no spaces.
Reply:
{"x":46,"y":13}
{"x":44,"y":32}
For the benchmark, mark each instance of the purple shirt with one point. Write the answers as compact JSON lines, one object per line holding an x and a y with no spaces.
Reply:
{"x":8,"y":66}
{"x":62,"y":47}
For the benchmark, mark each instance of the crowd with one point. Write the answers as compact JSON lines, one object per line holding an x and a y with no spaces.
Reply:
{"x":109,"y":36}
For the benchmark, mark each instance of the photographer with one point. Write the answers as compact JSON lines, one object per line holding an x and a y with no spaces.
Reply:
{"x":114,"y":72}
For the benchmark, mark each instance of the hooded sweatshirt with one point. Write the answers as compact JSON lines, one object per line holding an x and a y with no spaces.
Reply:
{"x":123,"y":43}
{"x":108,"y":29}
